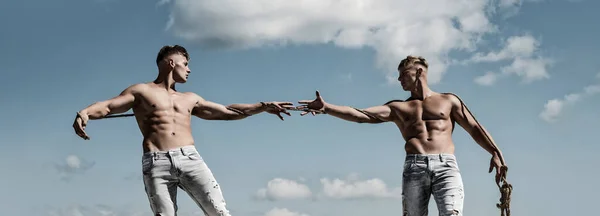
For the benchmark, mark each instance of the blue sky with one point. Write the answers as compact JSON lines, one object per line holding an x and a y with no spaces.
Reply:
{"x":527,"y":70}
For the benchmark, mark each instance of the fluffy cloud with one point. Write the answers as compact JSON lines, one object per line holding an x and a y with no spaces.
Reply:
{"x":523,"y":52}
{"x":279,"y":189}
{"x":393,"y":28}
{"x":95,"y":210}
{"x":554,"y":107}
{"x":487,"y":79}
{"x":353,"y":188}
{"x":283,"y":212}
{"x":73,"y":165}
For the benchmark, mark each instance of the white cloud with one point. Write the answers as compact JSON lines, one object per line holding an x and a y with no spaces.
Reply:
{"x":488,"y":79}
{"x":516,"y":46}
{"x":393,"y":28}
{"x":530,"y":69}
{"x":95,"y":210}
{"x":353,"y":188}
{"x":162,"y":2}
{"x":73,"y":165}
{"x":279,"y":189}
{"x":527,"y":63}
{"x":283,"y":212}
{"x":554,"y":107}
{"x":592,"y":90}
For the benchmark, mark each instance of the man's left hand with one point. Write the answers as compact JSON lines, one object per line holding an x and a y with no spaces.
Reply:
{"x":276,"y":108}
{"x":496,"y":162}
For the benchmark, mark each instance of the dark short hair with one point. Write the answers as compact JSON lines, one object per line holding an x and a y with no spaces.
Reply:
{"x":170,"y":50}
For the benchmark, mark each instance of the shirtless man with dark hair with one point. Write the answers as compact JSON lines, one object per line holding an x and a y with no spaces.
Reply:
{"x":163,"y":114}
{"x":426,"y":121}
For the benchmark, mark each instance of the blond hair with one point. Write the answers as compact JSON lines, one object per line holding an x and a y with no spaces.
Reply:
{"x":412,"y":61}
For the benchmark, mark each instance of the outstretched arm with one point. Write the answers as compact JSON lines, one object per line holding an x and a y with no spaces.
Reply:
{"x":373,"y":115}
{"x":213,"y":111}
{"x":119,"y":104}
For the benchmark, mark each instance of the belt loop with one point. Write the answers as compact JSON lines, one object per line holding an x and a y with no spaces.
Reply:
{"x":441,"y":158}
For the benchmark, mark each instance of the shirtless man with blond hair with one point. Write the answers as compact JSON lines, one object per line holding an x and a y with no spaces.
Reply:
{"x":426,"y":121}
{"x":163,"y":114}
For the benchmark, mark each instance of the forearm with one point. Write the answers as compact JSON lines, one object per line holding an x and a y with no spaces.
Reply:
{"x":349,"y":114}
{"x":244,"y":110}
{"x":97,"y":110}
{"x":481,"y":135}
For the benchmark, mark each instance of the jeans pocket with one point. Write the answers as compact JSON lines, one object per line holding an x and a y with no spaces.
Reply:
{"x":414,"y":168}
{"x":147,"y":164}
{"x":452,"y":164}
{"x":194,"y":156}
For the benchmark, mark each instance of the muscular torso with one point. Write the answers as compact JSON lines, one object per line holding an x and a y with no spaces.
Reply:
{"x":164,"y":118}
{"x":426,"y":125}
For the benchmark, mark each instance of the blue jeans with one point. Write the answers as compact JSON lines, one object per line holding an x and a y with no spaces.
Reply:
{"x":165,"y":171}
{"x":436,"y":174}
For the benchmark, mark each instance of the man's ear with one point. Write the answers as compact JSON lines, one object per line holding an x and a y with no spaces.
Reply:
{"x":419,"y":71}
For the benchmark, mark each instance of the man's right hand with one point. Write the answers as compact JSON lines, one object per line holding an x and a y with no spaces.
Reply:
{"x":79,"y":126}
{"x":314,"y":107}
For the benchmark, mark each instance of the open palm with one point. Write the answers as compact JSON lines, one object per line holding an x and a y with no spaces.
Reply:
{"x":314,"y":107}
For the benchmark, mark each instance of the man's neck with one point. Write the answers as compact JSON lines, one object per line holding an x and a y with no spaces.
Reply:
{"x":165,"y":80}
{"x":421,"y":92}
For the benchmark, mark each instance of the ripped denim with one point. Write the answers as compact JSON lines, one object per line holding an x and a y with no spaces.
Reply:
{"x":165,"y":171}
{"x":436,"y":174}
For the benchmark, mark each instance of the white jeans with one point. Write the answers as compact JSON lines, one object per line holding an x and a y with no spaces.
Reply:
{"x":165,"y":171}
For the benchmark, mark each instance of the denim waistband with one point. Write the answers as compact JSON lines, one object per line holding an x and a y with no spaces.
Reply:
{"x":428,"y":157}
{"x":185,"y":150}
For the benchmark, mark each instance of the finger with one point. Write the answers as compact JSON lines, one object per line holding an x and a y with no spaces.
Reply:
{"x":280,"y":117}
{"x":304,"y":101}
{"x":285,"y":103}
{"x":79,"y":130}
{"x":288,"y":106}
{"x":85,"y":136}
{"x":498,"y":171}
{"x":498,"y":180}
{"x":313,"y":113}
{"x":304,"y":113}
{"x":79,"y":133}
{"x":318,"y":94}
{"x":277,"y":106}
{"x":302,"y":107}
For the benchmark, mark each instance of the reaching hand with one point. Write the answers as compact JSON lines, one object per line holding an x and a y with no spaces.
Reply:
{"x":79,"y":126}
{"x":314,"y":107}
{"x":276,"y":108}
{"x":495,"y":162}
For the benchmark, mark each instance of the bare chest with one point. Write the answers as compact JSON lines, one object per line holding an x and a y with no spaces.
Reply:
{"x":430,"y":109}
{"x":164,"y":102}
